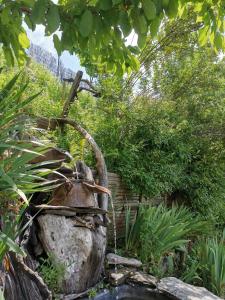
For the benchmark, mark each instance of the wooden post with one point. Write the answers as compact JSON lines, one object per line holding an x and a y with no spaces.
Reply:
{"x":72,"y":94}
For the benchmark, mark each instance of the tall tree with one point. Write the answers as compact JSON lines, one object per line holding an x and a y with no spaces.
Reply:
{"x":102,"y":26}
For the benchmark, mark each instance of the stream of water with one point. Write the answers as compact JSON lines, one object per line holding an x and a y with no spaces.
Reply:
{"x":114,"y":227}
{"x":115,"y":240}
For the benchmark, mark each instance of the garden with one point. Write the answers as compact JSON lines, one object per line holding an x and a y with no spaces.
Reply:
{"x":151,"y":112}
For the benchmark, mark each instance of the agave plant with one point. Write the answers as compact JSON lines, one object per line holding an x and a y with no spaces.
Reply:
{"x":18,"y":178}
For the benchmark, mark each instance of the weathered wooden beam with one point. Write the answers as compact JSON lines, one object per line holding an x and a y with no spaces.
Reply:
{"x":72,"y":211}
{"x":72,"y":94}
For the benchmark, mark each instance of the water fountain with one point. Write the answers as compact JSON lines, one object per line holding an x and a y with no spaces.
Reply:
{"x":72,"y":226}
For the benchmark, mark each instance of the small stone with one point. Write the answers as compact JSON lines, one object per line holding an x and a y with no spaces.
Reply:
{"x":142,"y":278}
{"x":114,"y":259}
{"x":119,"y":277}
{"x":176,"y":288}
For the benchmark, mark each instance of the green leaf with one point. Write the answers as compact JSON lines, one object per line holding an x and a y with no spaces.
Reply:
{"x":124,"y":23}
{"x":218,"y":41}
{"x":66,"y":42}
{"x":203,"y":35}
{"x":158,"y":5}
{"x":141,"y":40}
{"x":149,"y":9}
{"x":23,"y":40}
{"x":142,"y":24}
{"x":38,"y":12}
{"x":57,"y":44}
{"x":53,"y":19}
{"x":11,"y":244}
{"x":29,"y":22}
{"x":11,"y":184}
{"x":172,"y":9}
{"x":105,"y":4}
{"x":110,"y":17}
{"x":154,"y":26}
{"x":139,"y":22}
{"x":98,"y":25}
{"x":86,"y":23}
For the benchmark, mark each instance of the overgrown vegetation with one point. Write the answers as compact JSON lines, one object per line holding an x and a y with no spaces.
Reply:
{"x":176,"y":124}
{"x":161,"y":128}
{"x":52,"y":272}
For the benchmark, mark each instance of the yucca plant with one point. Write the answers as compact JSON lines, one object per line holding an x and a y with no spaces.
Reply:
{"x":132,"y":231}
{"x":18,"y":178}
{"x":158,"y":231}
{"x":211,"y":256}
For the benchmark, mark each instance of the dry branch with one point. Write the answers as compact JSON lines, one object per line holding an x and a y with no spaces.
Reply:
{"x":73,"y":94}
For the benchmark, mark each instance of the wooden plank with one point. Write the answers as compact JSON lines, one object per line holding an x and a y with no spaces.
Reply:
{"x":80,"y":210}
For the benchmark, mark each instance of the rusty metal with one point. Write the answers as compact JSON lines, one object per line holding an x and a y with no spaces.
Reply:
{"x":78,"y":188}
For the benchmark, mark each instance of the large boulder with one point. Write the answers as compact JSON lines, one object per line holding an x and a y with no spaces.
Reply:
{"x":80,"y":249}
{"x":177,"y":289}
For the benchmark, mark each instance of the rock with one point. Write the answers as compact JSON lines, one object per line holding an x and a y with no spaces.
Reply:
{"x":176,"y":288}
{"x":142,"y":278}
{"x":80,"y":249}
{"x":119,"y":277}
{"x":114,"y":259}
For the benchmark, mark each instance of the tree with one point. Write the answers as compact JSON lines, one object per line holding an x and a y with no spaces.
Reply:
{"x":97,"y":29}
{"x":169,"y":140}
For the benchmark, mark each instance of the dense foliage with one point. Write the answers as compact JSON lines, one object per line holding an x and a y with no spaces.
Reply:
{"x":168,"y":141}
{"x":101,"y":26}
